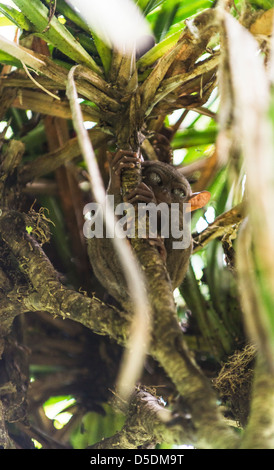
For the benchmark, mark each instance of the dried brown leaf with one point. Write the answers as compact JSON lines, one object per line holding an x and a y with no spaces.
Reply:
{"x":263,"y":25}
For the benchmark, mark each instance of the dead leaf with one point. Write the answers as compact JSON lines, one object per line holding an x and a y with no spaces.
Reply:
{"x":263,"y":24}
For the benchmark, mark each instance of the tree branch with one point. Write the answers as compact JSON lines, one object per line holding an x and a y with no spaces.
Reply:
{"x":46,"y":293}
{"x":148,"y":423}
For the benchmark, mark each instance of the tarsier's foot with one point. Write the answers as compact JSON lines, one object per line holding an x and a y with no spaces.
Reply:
{"x":144,"y":194}
{"x":141,"y":193}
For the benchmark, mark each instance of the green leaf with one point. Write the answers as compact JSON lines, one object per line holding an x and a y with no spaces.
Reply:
{"x":104,"y":53}
{"x":265,"y":4}
{"x":5,"y":21}
{"x":148,"y":5}
{"x":172,"y":14}
{"x":157,"y":51}
{"x":102,"y":49}
{"x":96,"y":427}
{"x":69,"y":14}
{"x":15,"y":17}
{"x":188,"y":9}
{"x":192,"y":137}
{"x":57,"y":34}
{"x":9,"y":60}
{"x":165,"y":19}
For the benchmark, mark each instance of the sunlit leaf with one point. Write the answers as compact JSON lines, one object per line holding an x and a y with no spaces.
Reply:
{"x":57,"y":34}
{"x":94,"y":426}
{"x":9,"y":60}
{"x":14,"y":16}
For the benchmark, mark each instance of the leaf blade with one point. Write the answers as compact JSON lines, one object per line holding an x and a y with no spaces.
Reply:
{"x":57,"y":34}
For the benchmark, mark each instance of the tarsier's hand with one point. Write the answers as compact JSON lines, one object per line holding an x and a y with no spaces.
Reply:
{"x":121,"y":160}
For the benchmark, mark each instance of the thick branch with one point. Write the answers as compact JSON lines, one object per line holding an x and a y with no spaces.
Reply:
{"x":50,"y":295}
{"x":47,"y":292}
{"x":169,"y":349}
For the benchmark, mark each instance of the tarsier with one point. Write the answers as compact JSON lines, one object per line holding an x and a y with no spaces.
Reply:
{"x":161,"y":182}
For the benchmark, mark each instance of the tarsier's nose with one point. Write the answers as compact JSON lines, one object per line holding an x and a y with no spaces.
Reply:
{"x":164,"y":196}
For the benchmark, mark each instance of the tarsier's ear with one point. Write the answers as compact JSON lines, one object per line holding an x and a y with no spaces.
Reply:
{"x":198,"y":200}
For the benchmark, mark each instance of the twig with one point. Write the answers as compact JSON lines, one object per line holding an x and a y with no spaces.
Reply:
{"x":223,"y":224}
{"x":205,"y":112}
{"x":38,"y":84}
{"x":52,"y":8}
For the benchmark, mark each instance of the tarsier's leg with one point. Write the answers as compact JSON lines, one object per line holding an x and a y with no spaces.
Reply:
{"x":141,"y":193}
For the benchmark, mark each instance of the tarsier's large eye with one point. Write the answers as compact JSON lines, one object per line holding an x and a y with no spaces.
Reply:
{"x":179,"y":192}
{"x":155,"y":178}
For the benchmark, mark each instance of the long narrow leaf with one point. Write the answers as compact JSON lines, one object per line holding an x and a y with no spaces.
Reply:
{"x":15,"y":17}
{"x":165,"y":19}
{"x":57,"y":34}
{"x":148,"y":5}
{"x":157,"y":51}
{"x":102,"y":49}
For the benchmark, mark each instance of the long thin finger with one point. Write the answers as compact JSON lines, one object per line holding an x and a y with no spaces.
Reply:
{"x":141,"y":192}
{"x":121,"y":166}
{"x":121,"y":154}
{"x":139,"y":198}
{"x":142,"y":187}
